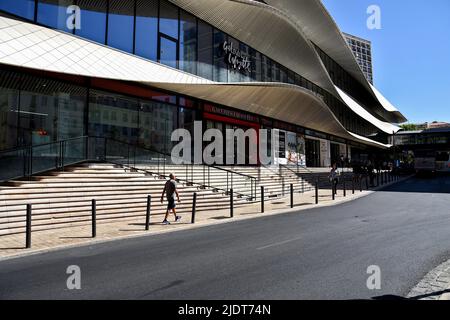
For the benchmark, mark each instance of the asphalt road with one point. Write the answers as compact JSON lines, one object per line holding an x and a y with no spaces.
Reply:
{"x":321,"y":253}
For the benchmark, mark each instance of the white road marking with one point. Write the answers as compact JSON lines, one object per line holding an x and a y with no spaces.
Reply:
{"x":278,"y":243}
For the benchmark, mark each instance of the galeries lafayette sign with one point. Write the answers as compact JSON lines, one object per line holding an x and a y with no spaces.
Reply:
{"x":235,"y":58}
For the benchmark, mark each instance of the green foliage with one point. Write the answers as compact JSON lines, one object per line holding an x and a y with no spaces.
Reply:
{"x":409,"y":127}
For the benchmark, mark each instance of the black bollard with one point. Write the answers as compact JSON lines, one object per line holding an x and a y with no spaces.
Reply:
{"x":317,"y":191}
{"x":94,"y":218}
{"x":194,"y":204}
{"x":292,"y":195}
{"x":231,"y":204}
{"x":147,"y":216}
{"x":343,"y":186}
{"x":28,"y":228}
{"x":262,"y":199}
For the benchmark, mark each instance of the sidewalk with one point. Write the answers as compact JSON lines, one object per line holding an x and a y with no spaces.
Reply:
{"x":14,"y":245}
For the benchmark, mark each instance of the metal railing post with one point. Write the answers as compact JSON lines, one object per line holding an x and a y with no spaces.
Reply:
{"x":367,"y":182}
{"x":94,"y":218}
{"x":262,"y":199}
{"x":147,"y":216}
{"x":28,"y":227}
{"x":194,"y":203}
{"x":231,"y":203}
{"x":360,"y":183}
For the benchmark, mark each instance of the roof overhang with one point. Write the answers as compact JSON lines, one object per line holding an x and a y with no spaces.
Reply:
{"x":359,"y":110}
{"x":59,"y":52}
{"x":319,"y":27}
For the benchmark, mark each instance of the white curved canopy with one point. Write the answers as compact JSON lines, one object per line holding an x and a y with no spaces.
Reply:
{"x":31,"y":46}
{"x":358,"y":109}
{"x":267,"y":30}
{"x":318,"y":26}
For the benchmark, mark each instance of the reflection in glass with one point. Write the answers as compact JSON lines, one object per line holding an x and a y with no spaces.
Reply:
{"x":22,"y":8}
{"x":188,"y":43}
{"x":156,"y":124}
{"x":220,"y":66}
{"x":93,"y":20}
{"x":53,"y":13}
{"x":113,"y":116}
{"x":147,"y":29}
{"x":168,"y":52}
{"x":168,"y":23}
{"x":121,"y":25}
{"x":205,"y":50}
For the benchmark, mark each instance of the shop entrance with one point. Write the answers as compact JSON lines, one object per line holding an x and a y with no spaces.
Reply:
{"x":335,"y":154}
{"x":312,"y":153}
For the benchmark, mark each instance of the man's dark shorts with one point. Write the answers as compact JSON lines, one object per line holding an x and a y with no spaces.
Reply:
{"x":171,"y":204}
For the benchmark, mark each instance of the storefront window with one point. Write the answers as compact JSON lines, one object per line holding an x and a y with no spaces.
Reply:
{"x":188,"y":43}
{"x":122,"y":125}
{"x":121,"y":25}
{"x":205,"y":50}
{"x":168,"y":23}
{"x":93,"y":20}
{"x":266,"y":66}
{"x":9,"y":100}
{"x":53,"y":13}
{"x":157,"y":121}
{"x":147,"y":29}
{"x":22,"y":8}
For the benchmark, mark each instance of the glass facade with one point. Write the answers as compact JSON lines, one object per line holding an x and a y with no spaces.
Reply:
{"x":121,"y":25}
{"x":93,"y":20}
{"x":146,"y":29}
{"x":36,"y":110}
{"x":53,"y":13}
{"x":21,"y":8}
{"x":160,"y":31}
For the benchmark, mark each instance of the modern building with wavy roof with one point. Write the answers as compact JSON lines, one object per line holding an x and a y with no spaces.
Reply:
{"x":135,"y":70}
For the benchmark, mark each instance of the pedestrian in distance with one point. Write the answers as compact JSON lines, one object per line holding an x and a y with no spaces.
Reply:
{"x":334,"y":177}
{"x":170,"y":190}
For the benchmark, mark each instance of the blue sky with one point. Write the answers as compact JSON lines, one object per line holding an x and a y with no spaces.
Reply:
{"x":411,"y":52}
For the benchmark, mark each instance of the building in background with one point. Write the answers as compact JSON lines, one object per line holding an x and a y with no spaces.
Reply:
{"x":362,"y":50}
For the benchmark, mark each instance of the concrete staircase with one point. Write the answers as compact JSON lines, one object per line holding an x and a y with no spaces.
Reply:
{"x":62,"y":199}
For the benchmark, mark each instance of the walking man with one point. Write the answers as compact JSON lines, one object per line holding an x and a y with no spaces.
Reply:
{"x":170,"y":189}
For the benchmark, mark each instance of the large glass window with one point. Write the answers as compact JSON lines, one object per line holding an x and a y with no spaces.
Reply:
{"x":168,"y":52}
{"x":234,"y":75}
{"x":168,"y":23}
{"x":22,"y":8}
{"x":121,"y":25}
{"x":147,"y":29}
{"x":188,"y":43}
{"x":93,"y":20}
{"x":53,"y":13}
{"x":205,"y":50}
{"x":36,"y":111}
{"x":157,"y":121}
{"x":113,"y":116}
{"x":220,"y":66}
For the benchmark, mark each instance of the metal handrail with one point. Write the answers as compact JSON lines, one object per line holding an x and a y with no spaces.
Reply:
{"x":128,"y":154}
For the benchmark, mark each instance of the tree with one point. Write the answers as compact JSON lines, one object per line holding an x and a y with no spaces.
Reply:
{"x":409,"y":127}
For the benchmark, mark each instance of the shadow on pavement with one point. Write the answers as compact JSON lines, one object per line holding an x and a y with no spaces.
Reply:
{"x":428,"y":295}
